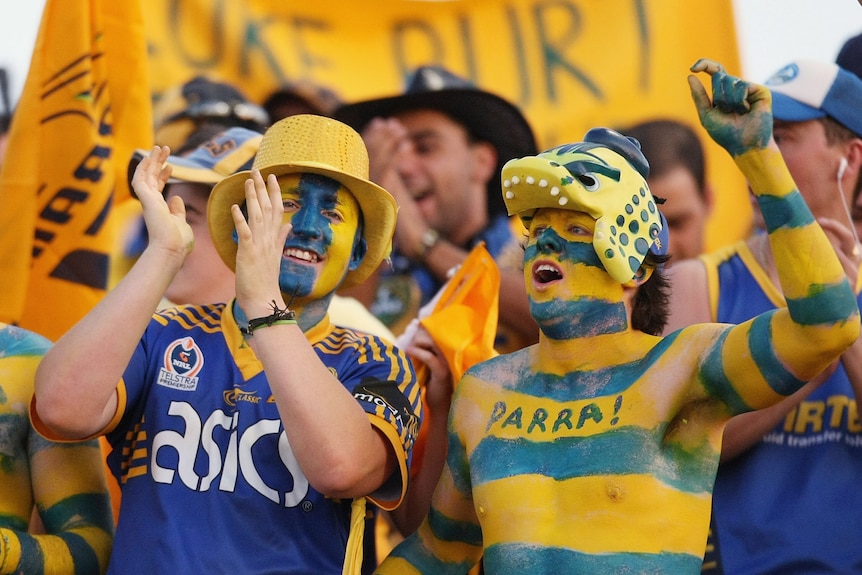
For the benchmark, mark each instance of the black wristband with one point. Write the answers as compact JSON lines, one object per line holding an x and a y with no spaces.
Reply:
{"x":279,"y":316}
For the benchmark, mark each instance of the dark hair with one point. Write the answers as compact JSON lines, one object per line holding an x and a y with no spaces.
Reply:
{"x":668,"y":144}
{"x":650,"y":304}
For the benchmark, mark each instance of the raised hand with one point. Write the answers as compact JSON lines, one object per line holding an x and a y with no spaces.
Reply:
{"x":739,"y":114}
{"x":387,"y":139}
{"x":261,"y":238}
{"x":166,"y":221}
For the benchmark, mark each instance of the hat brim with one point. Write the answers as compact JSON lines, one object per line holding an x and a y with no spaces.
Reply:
{"x":487,"y":117}
{"x":787,"y":109}
{"x":379,"y":212}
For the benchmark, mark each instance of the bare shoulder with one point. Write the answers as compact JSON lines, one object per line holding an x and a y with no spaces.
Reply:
{"x":689,"y":295}
{"x":503,"y":370}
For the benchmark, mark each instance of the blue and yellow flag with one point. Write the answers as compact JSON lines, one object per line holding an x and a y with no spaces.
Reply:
{"x":84,"y":108}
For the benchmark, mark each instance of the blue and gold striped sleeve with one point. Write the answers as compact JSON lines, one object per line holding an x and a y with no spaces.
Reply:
{"x":383,"y":381}
{"x":777,"y":352}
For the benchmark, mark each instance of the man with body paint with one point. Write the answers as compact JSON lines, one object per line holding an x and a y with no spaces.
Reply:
{"x":246,"y":436}
{"x":595,"y":450}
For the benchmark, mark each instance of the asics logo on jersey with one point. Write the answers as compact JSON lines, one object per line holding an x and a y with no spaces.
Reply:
{"x":227,"y":455}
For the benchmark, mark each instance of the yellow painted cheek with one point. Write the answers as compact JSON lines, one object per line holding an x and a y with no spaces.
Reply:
{"x":337,"y":259}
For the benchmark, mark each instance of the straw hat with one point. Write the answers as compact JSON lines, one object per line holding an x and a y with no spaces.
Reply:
{"x":309,"y":144}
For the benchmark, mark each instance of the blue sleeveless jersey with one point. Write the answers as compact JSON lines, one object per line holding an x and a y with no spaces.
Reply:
{"x":792,"y":504}
{"x":209,"y":481}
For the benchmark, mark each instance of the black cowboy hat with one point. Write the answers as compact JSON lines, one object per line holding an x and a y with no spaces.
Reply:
{"x":486,"y":116}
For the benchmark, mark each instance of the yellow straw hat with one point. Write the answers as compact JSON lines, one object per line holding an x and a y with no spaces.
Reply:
{"x":309,"y":144}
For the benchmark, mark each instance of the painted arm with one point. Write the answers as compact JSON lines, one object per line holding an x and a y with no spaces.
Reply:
{"x":746,"y":429}
{"x":70,"y":493}
{"x":774,"y":354}
{"x":76,"y":383}
{"x":65,"y":483}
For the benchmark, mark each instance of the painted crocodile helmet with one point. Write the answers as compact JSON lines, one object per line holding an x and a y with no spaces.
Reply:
{"x":603,"y":176}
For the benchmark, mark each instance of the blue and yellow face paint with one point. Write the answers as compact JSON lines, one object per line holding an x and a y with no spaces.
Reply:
{"x":570,"y":293}
{"x":325,"y":219}
{"x":603,"y":176}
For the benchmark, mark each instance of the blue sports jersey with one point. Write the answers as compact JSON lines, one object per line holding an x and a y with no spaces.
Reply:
{"x":209,"y":482}
{"x":791,"y":504}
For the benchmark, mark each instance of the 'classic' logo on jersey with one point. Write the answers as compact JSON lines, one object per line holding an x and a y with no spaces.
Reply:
{"x":182,"y":362}
{"x":238,"y":395}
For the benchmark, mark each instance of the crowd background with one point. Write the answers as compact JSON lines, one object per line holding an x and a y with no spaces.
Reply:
{"x":766,"y":39}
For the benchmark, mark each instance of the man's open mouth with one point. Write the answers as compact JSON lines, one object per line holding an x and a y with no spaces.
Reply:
{"x":545,"y":272}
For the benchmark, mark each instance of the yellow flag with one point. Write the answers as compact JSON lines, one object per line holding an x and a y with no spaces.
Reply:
{"x":569,"y":65}
{"x":464,"y":320}
{"x":84,"y":108}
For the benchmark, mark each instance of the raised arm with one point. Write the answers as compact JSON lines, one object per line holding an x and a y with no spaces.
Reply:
{"x":77,"y":380}
{"x":772,"y":355}
{"x":746,"y":429}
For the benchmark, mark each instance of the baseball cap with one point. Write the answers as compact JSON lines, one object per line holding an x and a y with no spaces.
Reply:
{"x":231,"y":151}
{"x":850,"y":55}
{"x":807,"y":90}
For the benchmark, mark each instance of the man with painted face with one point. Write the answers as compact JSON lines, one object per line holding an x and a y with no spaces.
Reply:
{"x":595,"y":450}
{"x":246,"y":436}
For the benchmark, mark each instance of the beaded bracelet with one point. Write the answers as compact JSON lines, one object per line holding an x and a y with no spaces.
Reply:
{"x":278,"y":317}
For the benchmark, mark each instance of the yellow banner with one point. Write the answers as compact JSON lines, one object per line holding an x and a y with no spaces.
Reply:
{"x":570,"y":65}
{"x":85,"y":106}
